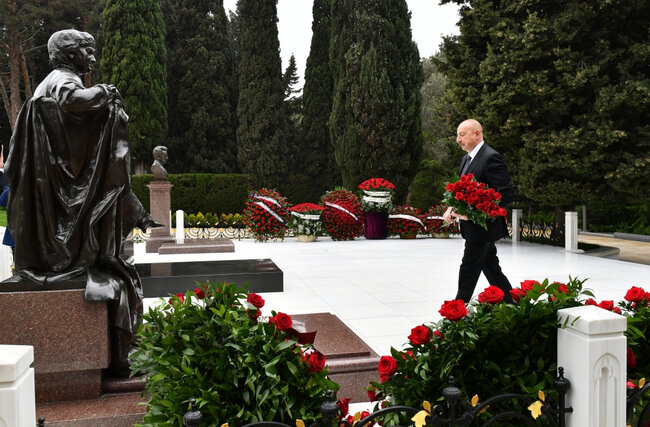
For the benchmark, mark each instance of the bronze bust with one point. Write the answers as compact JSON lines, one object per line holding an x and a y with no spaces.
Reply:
{"x":160,"y":158}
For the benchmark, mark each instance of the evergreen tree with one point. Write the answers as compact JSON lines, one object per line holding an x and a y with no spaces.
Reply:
{"x":200,"y":80}
{"x":262,"y":147}
{"x":375,"y":122}
{"x":562,"y":90}
{"x":320,"y":166}
{"x":134,"y":60}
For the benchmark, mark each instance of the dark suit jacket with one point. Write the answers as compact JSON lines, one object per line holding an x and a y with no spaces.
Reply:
{"x":489,"y":167}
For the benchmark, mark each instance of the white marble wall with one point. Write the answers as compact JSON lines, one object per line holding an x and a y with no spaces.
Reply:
{"x":6,"y":260}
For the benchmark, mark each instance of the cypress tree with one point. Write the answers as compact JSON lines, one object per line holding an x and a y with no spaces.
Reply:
{"x":262,"y":149}
{"x":134,"y":60}
{"x":375,"y":123}
{"x":321,"y":168}
{"x":200,"y":81}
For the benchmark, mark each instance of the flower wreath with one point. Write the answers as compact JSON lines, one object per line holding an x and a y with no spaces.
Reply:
{"x":342,"y":216}
{"x":435,"y":224}
{"x":377,"y":195}
{"x":266,"y":214}
{"x":305,"y":219}
{"x":405,"y":220}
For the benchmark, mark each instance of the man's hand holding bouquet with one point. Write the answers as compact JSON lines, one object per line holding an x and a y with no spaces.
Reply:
{"x":472,"y":201}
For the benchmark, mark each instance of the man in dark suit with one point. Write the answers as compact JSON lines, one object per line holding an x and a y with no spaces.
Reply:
{"x":487,"y":166}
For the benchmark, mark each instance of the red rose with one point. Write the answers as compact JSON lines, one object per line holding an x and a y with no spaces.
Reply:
{"x":562,"y":288}
{"x":281,"y":321}
{"x":635,"y":294}
{"x":591,"y":301}
{"x":199,"y":293}
{"x":316,"y":361}
{"x":491,"y":295}
{"x":256,"y":300}
{"x":517,"y":294}
{"x":630,"y":384}
{"x":387,"y":367}
{"x":527,"y":285}
{"x":180,"y":297}
{"x":438,"y":334}
{"x":631,"y":360}
{"x":453,"y":310}
{"x":609,"y":305}
{"x":420,"y":335}
{"x":254,"y":313}
{"x":344,"y":406}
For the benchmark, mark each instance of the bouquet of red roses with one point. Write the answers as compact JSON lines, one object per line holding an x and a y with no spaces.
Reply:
{"x":474,"y":200}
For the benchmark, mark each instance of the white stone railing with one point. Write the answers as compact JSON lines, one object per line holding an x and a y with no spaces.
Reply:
{"x":17,"y":392}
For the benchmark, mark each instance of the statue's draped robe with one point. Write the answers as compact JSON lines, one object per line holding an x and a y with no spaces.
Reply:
{"x":71,"y":202}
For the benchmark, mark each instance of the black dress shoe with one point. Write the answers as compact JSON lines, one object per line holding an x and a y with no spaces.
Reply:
{"x":148,"y":222}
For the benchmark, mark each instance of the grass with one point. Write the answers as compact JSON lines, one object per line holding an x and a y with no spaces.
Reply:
{"x":3,"y":217}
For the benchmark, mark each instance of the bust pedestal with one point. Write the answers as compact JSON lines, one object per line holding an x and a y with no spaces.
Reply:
{"x":159,"y":206}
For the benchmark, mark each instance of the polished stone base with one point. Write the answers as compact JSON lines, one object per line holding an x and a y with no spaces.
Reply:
{"x":351,"y":362}
{"x":197,"y":246}
{"x":111,"y":410}
{"x":170,"y":278}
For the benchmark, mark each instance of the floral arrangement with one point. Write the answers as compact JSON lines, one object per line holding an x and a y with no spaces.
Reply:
{"x":434,"y":223}
{"x":305,"y":219}
{"x":342,"y":216}
{"x":266,"y":214}
{"x":405,"y":220}
{"x":377,"y":195}
{"x":473,"y":199}
{"x":491,"y":347}
{"x":212,"y":345}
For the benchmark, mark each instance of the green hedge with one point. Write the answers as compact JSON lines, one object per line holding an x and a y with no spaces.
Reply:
{"x":200,"y":192}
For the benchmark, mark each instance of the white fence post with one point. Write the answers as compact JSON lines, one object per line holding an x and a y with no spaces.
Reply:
{"x":571,"y":231}
{"x":17,"y":392}
{"x":516,"y":230}
{"x":592,"y":351}
{"x":180,"y":227}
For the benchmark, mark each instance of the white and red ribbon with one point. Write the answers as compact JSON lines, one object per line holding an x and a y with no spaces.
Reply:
{"x":341,"y":208}
{"x":269,"y":210}
{"x":408,"y":217}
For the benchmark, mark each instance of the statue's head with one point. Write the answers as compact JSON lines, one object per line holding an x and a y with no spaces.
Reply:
{"x":160,"y":153}
{"x":72,"y":49}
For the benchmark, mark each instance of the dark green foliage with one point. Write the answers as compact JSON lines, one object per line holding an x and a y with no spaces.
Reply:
{"x":320,"y":166}
{"x":215,"y":351}
{"x":201,"y":85}
{"x":562,"y":90}
{"x":134,"y":60}
{"x":429,"y":184}
{"x":200,"y":192}
{"x":262,"y":145}
{"x":375,"y":122}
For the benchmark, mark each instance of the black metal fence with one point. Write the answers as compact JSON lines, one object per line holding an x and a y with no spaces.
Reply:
{"x":637,"y":414}
{"x":451,"y":411}
{"x":538,"y":232}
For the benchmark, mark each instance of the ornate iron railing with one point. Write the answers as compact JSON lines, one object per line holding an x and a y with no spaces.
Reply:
{"x":533,"y":232}
{"x":638,"y":417}
{"x":452,"y":411}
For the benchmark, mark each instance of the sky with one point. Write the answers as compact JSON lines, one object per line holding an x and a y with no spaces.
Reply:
{"x":429,"y":22}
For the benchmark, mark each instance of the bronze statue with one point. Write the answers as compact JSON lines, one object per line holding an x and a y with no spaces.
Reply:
{"x":71,"y":202}
{"x":159,"y":159}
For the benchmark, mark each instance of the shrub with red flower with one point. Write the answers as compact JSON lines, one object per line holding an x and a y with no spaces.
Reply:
{"x":342,"y":216}
{"x":387,"y":367}
{"x":282,"y":321}
{"x":405,"y":220}
{"x":377,"y":195}
{"x":474,"y":200}
{"x":436,"y":225}
{"x":266,"y":214}
{"x":453,"y":310}
{"x":305,"y":219}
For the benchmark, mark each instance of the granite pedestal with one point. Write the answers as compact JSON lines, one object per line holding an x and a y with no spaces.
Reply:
{"x":351,"y":362}
{"x":170,"y":278}
{"x":159,"y":205}
{"x":197,"y":246}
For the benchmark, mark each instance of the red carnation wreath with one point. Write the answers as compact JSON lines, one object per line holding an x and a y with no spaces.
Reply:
{"x":266,"y":214}
{"x":342,"y":217}
{"x":405,"y":221}
{"x":436,"y":225}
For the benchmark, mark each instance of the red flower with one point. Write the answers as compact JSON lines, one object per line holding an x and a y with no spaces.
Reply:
{"x":344,"y":406}
{"x":420,"y":335}
{"x":387,"y":367}
{"x":635,"y":294}
{"x":307,"y":207}
{"x":631,"y":360}
{"x":281,"y":321}
{"x":491,"y":295}
{"x":254,"y":313}
{"x":562,"y":288}
{"x":517,"y":294}
{"x":342,"y":217}
{"x":527,"y":285}
{"x":438,"y":334}
{"x":453,"y":310}
{"x":591,"y":301}
{"x":411,"y":222}
{"x":256,"y":300}
{"x":199,"y":293}
{"x":376,"y":184}
{"x":316,"y":361}
{"x":180,"y":297}
{"x":630,"y":384}
{"x":609,"y":305}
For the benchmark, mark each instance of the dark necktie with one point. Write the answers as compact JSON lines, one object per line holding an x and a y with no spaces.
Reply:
{"x":466,"y":165}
